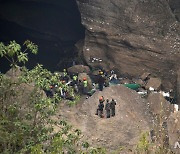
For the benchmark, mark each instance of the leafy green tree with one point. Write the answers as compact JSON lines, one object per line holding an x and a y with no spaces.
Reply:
{"x":14,"y":54}
{"x":26,"y":114}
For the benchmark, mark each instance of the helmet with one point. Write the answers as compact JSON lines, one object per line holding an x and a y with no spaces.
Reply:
{"x":101,"y":72}
{"x":84,"y":78}
{"x":101,"y":98}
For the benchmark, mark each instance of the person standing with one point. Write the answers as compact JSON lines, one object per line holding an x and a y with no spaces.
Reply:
{"x":75,"y":79}
{"x":100,"y":107}
{"x":107,"y":108}
{"x":101,"y":81}
{"x":85,"y":86}
{"x":80,"y":86}
{"x":65,"y":75}
{"x":112,"y":107}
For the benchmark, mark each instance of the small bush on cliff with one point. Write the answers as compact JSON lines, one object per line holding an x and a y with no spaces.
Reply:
{"x":143,"y":144}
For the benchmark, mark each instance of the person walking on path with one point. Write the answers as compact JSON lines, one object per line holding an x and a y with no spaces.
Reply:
{"x":107,"y":108}
{"x":112,"y":107}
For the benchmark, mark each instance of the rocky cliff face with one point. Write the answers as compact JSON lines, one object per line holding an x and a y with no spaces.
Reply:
{"x":133,"y":36}
{"x":175,"y":7}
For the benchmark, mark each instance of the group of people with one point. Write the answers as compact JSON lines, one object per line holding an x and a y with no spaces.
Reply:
{"x":67,"y":86}
{"x":102,"y":80}
{"x":81,"y":86}
{"x":109,"y":108}
{"x":70,"y":84}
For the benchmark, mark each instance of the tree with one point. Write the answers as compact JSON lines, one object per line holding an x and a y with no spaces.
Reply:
{"x":26,"y":123}
{"x":14,"y":54}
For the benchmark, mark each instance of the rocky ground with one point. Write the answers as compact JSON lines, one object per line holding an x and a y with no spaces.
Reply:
{"x":135,"y":114}
{"x":132,"y":118}
{"x":131,"y":37}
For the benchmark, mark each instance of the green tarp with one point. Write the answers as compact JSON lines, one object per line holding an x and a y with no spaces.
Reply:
{"x":132,"y":86}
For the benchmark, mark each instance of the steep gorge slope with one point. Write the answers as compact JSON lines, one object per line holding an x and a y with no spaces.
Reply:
{"x":132,"y":36}
{"x":132,"y":118}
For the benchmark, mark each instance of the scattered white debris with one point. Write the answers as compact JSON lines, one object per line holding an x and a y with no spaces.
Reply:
{"x":151,"y":88}
{"x":165,"y":94}
{"x":95,"y":60}
{"x":142,"y":92}
{"x":91,"y":28}
{"x":68,"y":83}
{"x":176,"y":107}
{"x":113,"y":76}
{"x":87,"y":49}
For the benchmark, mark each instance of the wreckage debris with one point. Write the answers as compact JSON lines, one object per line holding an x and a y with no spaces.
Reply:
{"x":92,"y":60}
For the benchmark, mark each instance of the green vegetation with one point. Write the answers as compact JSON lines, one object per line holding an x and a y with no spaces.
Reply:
{"x":14,"y":53}
{"x":27,"y":123}
{"x":143,"y":144}
{"x":26,"y":113}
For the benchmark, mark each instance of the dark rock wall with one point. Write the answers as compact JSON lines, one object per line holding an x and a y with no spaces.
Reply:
{"x":133,"y":36}
{"x":175,"y":7}
{"x":54,"y":25}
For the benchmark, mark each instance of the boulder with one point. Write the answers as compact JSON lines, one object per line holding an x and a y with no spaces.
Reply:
{"x":154,"y":83}
{"x":78,"y":69}
{"x":14,"y":72}
{"x":131,"y":119}
{"x":174,"y":130}
{"x":159,"y":105}
{"x":23,"y":94}
{"x":139,"y":81}
{"x":145,"y":76}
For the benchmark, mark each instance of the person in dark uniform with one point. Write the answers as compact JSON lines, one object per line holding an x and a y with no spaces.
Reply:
{"x":100,"y":107}
{"x":80,"y":86}
{"x":101,"y":80}
{"x":85,"y":86}
{"x":112,"y":107}
{"x":107,"y":108}
{"x":65,"y":75}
